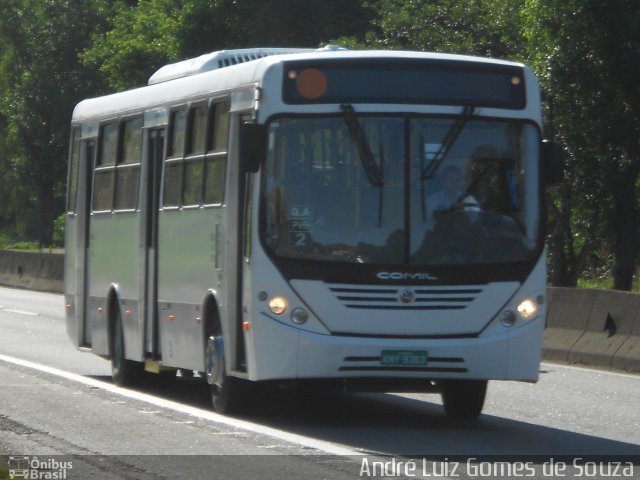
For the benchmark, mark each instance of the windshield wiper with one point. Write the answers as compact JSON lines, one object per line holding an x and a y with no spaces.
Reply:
{"x":452,"y":135}
{"x":374,"y":173}
{"x":431,"y":170}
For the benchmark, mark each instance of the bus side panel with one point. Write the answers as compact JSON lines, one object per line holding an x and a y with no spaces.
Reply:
{"x":113,"y":263}
{"x":188,"y":267}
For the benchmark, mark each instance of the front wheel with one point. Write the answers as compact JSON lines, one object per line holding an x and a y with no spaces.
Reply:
{"x":463,"y":399}
{"x":227,"y":393}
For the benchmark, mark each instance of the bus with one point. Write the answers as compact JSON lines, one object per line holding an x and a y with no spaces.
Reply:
{"x":363,"y":220}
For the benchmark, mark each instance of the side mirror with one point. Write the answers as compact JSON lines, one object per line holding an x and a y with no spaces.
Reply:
{"x":253,"y":146}
{"x":553,"y":163}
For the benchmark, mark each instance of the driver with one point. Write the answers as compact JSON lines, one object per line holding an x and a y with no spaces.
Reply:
{"x":451,"y":194}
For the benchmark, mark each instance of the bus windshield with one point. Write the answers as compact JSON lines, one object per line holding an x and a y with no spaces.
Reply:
{"x":473,"y":200}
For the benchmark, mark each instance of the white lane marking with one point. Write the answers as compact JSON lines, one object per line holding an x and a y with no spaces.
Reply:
{"x":591,"y":369}
{"x":294,"y":438}
{"x":20,"y":312}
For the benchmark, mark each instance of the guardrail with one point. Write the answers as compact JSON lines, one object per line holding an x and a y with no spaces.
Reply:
{"x":593,"y":327}
{"x":589,"y":327}
{"x":32,"y":270}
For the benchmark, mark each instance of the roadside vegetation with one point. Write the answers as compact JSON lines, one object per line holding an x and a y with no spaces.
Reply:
{"x":54,"y":53}
{"x":4,"y":470}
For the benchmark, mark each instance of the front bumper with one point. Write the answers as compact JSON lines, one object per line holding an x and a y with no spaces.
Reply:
{"x":285,"y":352}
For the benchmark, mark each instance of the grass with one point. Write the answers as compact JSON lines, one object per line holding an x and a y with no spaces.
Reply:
{"x":596,"y":283}
{"x":4,"y":470}
{"x":24,"y":246}
{"x":10,"y":241}
{"x":605,"y":283}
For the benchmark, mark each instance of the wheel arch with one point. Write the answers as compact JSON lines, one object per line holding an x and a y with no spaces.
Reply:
{"x":114,"y":308}
{"x":211,"y":318}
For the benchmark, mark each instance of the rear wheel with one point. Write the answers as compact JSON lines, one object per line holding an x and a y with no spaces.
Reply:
{"x":463,"y":399}
{"x":125,"y":373}
{"x":227,"y":393}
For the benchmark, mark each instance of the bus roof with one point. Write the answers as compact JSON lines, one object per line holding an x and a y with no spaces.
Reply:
{"x":214,"y":61}
{"x":228,"y":70}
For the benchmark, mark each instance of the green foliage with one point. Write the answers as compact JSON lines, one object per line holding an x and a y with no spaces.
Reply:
{"x":40,"y":81}
{"x":587,"y":54}
{"x":9,"y":241}
{"x":53,"y":53}
{"x":57,"y":239}
{"x":605,"y":283}
{"x":151,"y":33}
{"x":485,"y":28}
{"x":4,"y":470}
{"x":595,"y":283}
{"x":141,"y":38}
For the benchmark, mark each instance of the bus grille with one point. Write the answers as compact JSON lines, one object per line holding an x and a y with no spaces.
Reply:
{"x":418,"y":298}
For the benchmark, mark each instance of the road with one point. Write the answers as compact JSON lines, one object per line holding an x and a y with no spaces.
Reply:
{"x":55,"y":400}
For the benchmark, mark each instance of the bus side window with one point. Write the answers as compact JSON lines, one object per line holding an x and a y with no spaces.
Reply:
{"x":216,"y":156}
{"x":74,"y":159}
{"x":194,"y":163}
{"x":128,"y":166}
{"x":197,"y":130}
{"x":172,"y":188}
{"x":104,"y":179}
{"x":178,"y":131}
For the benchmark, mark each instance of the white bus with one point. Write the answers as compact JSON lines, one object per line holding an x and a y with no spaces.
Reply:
{"x":360,"y":219}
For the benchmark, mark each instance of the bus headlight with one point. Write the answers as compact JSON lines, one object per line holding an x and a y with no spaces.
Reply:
{"x":527,"y":309}
{"x":278,"y":305}
{"x":299,"y":315}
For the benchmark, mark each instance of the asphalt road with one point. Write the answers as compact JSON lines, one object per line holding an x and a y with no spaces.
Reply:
{"x":55,"y":400}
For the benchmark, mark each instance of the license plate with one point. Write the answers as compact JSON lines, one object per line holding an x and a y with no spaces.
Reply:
{"x":404,"y":357}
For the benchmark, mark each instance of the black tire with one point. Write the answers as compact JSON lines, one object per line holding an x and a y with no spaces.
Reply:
{"x":463,"y":399}
{"x":125,"y":373}
{"x":228,"y":394}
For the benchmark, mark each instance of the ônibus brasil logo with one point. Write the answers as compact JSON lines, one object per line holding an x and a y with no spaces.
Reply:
{"x":38,"y":469}
{"x":405,"y":276}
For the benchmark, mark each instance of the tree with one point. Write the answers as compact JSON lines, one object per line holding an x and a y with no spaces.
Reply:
{"x":482,"y":27}
{"x":151,"y":33}
{"x":140,"y":38}
{"x":587,"y":54}
{"x":41,"y":80}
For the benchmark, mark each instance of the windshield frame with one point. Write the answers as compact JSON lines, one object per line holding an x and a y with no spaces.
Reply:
{"x":352,"y":272}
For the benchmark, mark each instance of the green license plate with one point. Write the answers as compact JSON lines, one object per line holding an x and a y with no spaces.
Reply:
{"x":404,"y":357}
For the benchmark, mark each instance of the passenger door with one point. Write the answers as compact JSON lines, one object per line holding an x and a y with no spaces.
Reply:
{"x":83,"y":219}
{"x":155,"y":153}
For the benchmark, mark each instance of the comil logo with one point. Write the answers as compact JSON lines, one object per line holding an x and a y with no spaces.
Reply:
{"x":405,"y":276}
{"x":38,"y":469}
